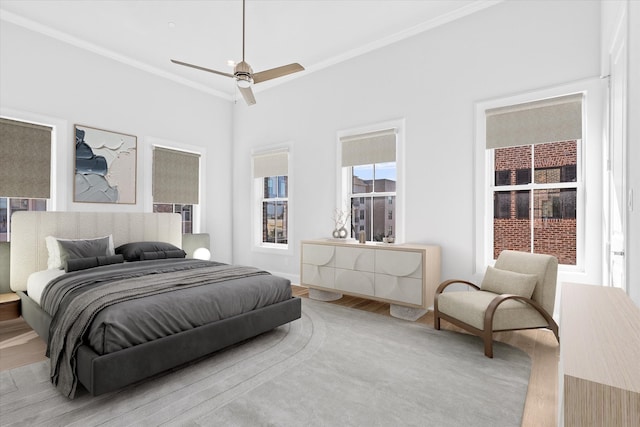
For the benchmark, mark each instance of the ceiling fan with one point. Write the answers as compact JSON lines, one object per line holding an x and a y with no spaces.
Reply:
{"x":243,"y":73}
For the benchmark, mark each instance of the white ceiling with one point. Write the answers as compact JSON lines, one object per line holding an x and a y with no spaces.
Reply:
{"x":314,"y":33}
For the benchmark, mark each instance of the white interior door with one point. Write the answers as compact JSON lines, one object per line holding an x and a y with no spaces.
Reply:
{"x":616,"y":165}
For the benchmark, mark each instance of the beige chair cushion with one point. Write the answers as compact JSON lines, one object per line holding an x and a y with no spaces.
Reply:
{"x":508,"y":282}
{"x":469,"y":307}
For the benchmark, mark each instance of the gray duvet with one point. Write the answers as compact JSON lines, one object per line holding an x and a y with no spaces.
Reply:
{"x":118,"y":306}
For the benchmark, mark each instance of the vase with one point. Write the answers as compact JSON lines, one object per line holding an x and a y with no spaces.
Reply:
{"x":340,"y":233}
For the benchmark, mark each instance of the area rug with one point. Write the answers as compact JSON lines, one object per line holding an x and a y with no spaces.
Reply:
{"x":334,"y":366}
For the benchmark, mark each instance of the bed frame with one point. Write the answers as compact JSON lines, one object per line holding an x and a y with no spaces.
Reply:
{"x":103,"y":373}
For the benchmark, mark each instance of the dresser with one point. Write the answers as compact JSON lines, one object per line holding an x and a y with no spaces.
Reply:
{"x":406,"y":275}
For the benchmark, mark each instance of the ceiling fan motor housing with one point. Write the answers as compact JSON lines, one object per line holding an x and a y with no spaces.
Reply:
{"x":243,"y":74}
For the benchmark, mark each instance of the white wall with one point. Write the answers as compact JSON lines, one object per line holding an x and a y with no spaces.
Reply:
{"x":42,"y":78}
{"x":432,"y":81}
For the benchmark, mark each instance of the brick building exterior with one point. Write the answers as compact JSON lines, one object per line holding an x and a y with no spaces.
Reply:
{"x":553,"y":211}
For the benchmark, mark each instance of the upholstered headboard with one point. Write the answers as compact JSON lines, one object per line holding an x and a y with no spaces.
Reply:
{"x":29,"y":230}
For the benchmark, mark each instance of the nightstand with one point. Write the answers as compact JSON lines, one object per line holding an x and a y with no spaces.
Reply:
{"x":9,"y":306}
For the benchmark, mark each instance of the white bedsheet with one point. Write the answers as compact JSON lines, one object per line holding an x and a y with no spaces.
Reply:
{"x":38,"y":281}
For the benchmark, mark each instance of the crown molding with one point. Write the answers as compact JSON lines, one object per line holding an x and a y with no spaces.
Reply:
{"x":98,"y":50}
{"x":377,"y":44}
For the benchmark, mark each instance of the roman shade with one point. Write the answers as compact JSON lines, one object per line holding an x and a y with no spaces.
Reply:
{"x":25,"y":160}
{"x":176,"y":176}
{"x":369,"y":148}
{"x":273,"y":163}
{"x":548,"y":120}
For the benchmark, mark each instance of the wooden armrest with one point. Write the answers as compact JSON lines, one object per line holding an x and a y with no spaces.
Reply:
{"x":446,"y":283}
{"x":493,"y":306}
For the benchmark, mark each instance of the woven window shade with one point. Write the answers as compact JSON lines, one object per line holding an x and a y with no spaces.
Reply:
{"x":369,"y":148}
{"x":271,"y":164}
{"x":549,"y":120}
{"x":176,"y":176}
{"x":25,"y":160}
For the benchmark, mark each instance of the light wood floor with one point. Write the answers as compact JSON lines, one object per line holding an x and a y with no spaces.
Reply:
{"x":19,"y":345}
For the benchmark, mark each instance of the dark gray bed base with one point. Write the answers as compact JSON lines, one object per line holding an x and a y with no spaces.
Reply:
{"x":102,"y":374}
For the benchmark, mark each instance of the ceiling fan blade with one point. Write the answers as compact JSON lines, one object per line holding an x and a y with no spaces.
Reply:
{"x":197,"y":67}
{"x":273,"y":73}
{"x":247,"y":94}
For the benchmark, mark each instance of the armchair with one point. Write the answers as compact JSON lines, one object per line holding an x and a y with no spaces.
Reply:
{"x":518,"y":293}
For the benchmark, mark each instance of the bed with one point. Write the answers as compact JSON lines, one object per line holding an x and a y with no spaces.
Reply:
{"x":101,"y":371}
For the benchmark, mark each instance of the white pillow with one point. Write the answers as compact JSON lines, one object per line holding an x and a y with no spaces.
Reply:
{"x":58,"y":255}
{"x":509,"y":282}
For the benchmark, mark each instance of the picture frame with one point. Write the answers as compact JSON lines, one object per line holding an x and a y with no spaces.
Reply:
{"x":105,"y":166}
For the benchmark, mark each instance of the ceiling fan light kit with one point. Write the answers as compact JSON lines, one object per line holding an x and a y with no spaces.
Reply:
{"x":243,"y":73}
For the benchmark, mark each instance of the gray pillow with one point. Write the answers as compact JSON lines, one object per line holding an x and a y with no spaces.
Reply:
{"x":508,"y":282}
{"x":61,"y":250}
{"x":133,"y":251}
{"x":76,"y":264}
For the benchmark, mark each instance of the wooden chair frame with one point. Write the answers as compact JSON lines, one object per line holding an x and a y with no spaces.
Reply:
{"x":487,"y":333}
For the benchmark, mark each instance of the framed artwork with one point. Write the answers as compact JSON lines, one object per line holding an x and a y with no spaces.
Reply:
{"x":105,"y":166}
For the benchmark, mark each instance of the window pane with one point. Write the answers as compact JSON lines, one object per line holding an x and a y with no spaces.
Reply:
{"x":281,"y":222}
{"x":362,"y":179}
{"x":511,"y":232}
{"x":282,"y":186}
{"x":360,"y":213}
{"x":556,"y":162}
{"x":270,"y":187}
{"x":274,"y":221}
{"x":374,"y":217}
{"x":554,"y":233}
{"x":385,"y":174}
{"x":510,"y":159}
{"x":269,"y":222}
{"x":381,"y":224}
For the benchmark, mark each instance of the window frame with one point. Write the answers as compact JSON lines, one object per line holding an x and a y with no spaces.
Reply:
{"x":276,"y":199}
{"x":533,"y":186}
{"x":198,"y":210}
{"x":258,"y":198}
{"x":344,"y":174}
{"x":60,"y":181}
{"x":589,"y":246}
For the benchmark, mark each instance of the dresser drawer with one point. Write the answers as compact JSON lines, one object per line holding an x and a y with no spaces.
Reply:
{"x":399,"y":263}
{"x":401,"y":289}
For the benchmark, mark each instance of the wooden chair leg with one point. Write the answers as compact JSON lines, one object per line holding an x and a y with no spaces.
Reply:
{"x":488,"y":344}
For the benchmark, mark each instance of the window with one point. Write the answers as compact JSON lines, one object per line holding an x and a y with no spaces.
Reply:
{"x":534,"y":149}
{"x":8,"y":206}
{"x":186,"y":211}
{"x":377,"y":181}
{"x":25,"y":170}
{"x":176,"y":183}
{"x":274,"y":210}
{"x":370,"y":173}
{"x":271,"y":175}
{"x":538,"y":216}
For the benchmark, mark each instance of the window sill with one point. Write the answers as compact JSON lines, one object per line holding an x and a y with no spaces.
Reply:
{"x":272,"y":248}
